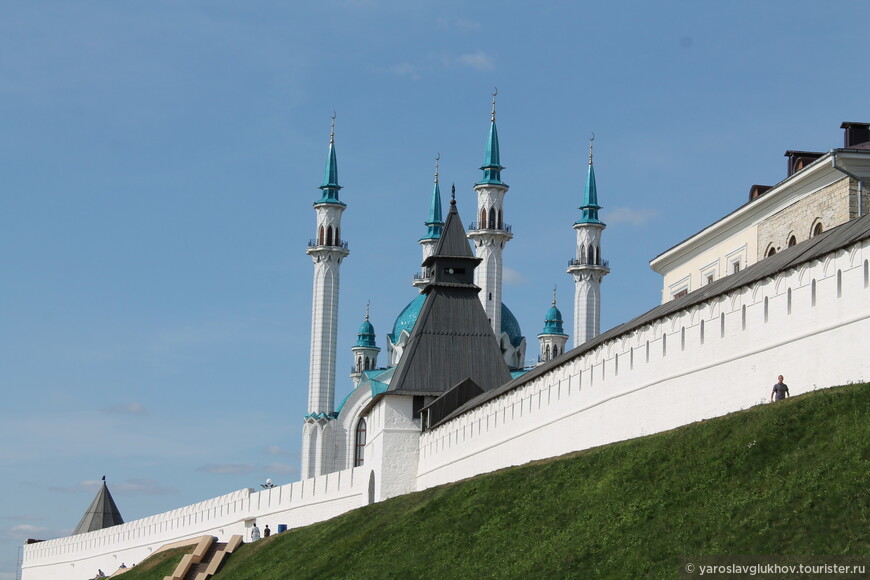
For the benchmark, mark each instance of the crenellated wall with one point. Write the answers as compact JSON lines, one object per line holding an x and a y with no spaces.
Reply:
{"x":809,"y":324}
{"x":296,"y":504}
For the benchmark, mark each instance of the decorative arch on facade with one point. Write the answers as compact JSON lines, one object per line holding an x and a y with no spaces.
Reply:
{"x":792,"y":240}
{"x":321,"y":237}
{"x":771,"y":251}
{"x":500,"y":223}
{"x":817,"y":228}
{"x":483,"y":218}
{"x":329,"y":236}
{"x":359,"y":441}
{"x":492,"y":219}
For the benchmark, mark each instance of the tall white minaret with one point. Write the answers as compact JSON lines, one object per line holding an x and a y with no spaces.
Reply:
{"x":434,"y":227}
{"x":587,"y":267}
{"x":327,"y":251}
{"x":490,"y":233}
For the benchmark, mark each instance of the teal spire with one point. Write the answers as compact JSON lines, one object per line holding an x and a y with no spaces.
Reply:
{"x":435,"y":222}
{"x":553,"y":320}
{"x":366,"y":334}
{"x":491,"y":164}
{"x":330,"y":185}
{"x":590,"y":205}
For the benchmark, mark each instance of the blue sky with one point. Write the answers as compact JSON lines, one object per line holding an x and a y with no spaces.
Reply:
{"x":158,"y":162}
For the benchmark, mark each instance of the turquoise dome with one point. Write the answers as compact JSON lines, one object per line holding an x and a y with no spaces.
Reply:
{"x":408,"y":318}
{"x":553,"y":322}
{"x":366,"y":335}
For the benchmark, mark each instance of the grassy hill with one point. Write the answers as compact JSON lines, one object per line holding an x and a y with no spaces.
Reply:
{"x":784,"y":478}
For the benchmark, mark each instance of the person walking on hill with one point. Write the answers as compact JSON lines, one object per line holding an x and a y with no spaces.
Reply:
{"x":255,"y":533}
{"x":266,"y":531}
{"x":780,"y":390}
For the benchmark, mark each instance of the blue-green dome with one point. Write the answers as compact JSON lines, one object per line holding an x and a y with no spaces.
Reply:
{"x":553,"y":322}
{"x":510,"y":325}
{"x":407,"y":318}
{"x":366,"y":335}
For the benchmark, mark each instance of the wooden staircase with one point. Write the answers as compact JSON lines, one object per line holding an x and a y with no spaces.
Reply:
{"x":206,"y":559}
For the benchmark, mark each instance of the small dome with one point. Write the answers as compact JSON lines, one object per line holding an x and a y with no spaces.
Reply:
{"x":553,"y":322}
{"x":366,"y":335}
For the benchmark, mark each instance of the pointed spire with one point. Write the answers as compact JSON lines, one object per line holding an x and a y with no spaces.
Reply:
{"x":102,"y":513}
{"x":435,"y":223}
{"x":491,"y":164}
{"x":553,"y":319}
{"x":330,"y":185}
{"x":590,"y":205}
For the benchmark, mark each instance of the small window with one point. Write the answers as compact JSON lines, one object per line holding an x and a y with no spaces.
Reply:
{"x":771,"y":251}
{"x":735,"y":266}
{"x":681,"y":293}
{"x":792,"y":241}
{"x":817,"y":229}
{"x":709,"y":278}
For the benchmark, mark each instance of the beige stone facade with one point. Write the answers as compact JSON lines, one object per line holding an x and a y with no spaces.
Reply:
{"x":831,"y":206}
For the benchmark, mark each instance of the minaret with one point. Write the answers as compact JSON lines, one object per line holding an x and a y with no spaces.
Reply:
{"x":327,"y":251}
{"x":587,"y":267}
{"x":435,"y":226}
{"x":552,"y":338}
{"x":365,"y":351}
{"x":489,"y":234}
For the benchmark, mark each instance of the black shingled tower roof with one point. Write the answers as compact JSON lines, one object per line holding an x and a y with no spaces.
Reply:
{"x":102,"y":513}
{"x":452,"y":340}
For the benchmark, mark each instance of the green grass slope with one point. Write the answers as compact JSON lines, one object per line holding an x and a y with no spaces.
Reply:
{"x":785,"y":478}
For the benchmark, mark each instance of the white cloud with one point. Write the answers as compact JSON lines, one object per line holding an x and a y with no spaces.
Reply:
{"x":126,"y":409}
{"x":636,"y":217}
{"x":276,"y":450}
{"x":512,"y":277}
{"x":405,"y":69}
{"x":227,"y":468}
{"x":477,"y":60}
{"x":131,"y":486}
{"x":280,"y":468}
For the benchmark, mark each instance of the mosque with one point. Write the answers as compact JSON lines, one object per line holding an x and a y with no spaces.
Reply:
{"x":334,"y":437}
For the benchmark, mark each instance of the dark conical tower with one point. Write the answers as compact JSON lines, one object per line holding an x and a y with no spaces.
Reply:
{"x":102,"y":513}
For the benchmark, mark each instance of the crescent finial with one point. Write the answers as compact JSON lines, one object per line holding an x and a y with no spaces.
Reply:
{"x":437,"y":159}
{"x":332,"y":129}
{"x":495,"y":92}
{"x":591,"y":139}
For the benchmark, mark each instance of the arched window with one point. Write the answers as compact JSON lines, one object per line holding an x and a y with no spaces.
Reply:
{"x":555,"y":351}
{"x":337,"y":237}
{"x":500,"y":223}
{"x":492,"y":219}
{"x":792,"y":241}
{"x":547,"y":352}
{"x":817,"y":229}
{"x":582,"y":251}
{"x":329,"y":236}
{"x":359,"y":364}
{"x":320,"y":238}
{"x":360,"y":443}
{"x":483,"y":219}
{"x":771,"y":251}
{"x":590,"y":258}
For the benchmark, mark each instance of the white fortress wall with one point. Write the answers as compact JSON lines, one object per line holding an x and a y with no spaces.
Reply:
{"x":707,"y":360}
{"x":295,"y":504}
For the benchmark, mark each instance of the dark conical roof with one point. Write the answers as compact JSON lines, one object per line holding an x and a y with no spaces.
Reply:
{"x":452,"y":339}
{"x":102,"y":513}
